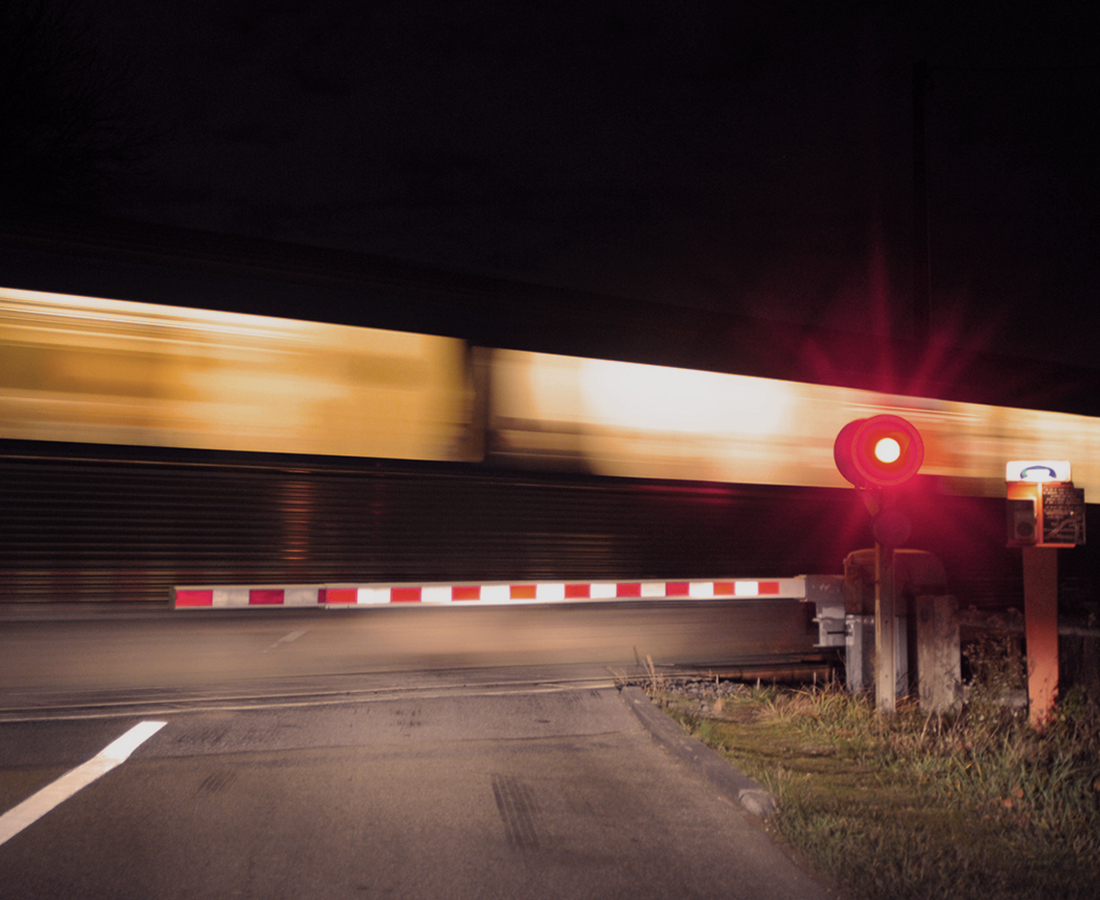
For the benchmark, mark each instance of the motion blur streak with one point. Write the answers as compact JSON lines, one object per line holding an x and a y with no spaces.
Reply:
{"x":644,"y":421}
{"x":80,"y":369}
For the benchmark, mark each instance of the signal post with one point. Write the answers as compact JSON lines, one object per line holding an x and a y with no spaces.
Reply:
{"x":875,"y":455}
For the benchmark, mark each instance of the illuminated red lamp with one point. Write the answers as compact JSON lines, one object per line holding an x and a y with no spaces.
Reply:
{"x":881,"y":451}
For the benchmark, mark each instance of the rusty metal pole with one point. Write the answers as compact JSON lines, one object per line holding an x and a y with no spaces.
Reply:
{"x":1041,"y":630}
{"x":886,"y":630}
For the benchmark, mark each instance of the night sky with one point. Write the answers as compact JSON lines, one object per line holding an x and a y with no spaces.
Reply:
{"x":749,"y":157}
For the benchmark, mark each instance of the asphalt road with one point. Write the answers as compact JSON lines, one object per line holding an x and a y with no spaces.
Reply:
{"x":51,"y":658}
{"x":413,"y":753}
{"x":446,"y":788}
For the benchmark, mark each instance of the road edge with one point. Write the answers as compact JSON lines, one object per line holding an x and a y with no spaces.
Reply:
{"x":718,"y":771}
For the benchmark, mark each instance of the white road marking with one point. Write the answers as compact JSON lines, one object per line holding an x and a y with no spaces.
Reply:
{"x":286,"y":639}
{"x":37,"y":805}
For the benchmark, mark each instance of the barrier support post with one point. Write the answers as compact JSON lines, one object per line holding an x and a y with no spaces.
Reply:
{"x":886,"y":629}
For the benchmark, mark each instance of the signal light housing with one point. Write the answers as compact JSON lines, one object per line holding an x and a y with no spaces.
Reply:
{"x":878,"y":452}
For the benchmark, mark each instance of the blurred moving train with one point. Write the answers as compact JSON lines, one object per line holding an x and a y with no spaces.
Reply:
{"x":143,"y":445}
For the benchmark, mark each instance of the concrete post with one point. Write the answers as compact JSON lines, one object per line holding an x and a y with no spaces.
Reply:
{"x":939,"y":663}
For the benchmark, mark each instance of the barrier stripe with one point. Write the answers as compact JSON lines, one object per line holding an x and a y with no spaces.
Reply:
{"x":232,"y":596}
{"x":301,"y":596}
{"x":437,"y":594}
{"x":184,"y":597}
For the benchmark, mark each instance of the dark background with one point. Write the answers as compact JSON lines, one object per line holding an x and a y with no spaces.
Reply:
{"x":748,"y":158}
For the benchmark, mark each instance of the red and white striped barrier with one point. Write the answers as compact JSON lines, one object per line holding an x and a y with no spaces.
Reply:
{"x":345,"y":595}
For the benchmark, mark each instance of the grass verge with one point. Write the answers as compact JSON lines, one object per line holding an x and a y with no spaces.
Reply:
{"x":971,"y":805}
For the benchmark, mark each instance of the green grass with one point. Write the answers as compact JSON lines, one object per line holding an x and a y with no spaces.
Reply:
{"x":972,"y":805}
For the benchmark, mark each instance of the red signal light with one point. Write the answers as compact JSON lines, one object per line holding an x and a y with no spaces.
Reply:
{"x":887,"y":450}
{"x":878,"y":452}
